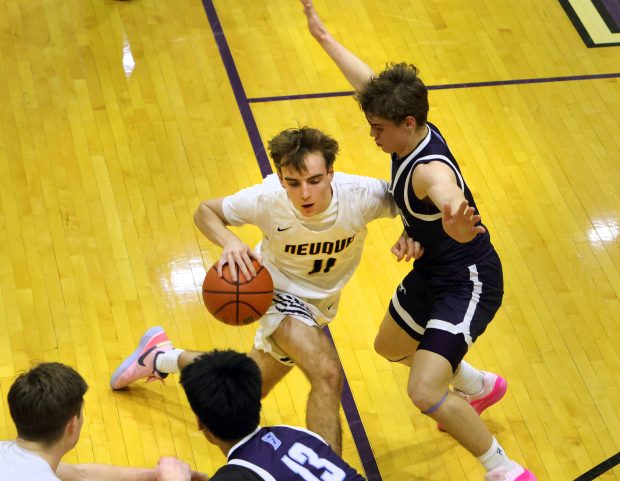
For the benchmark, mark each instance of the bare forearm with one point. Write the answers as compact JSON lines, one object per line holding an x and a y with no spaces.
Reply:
{"x":446,"y":193}
{"x":353,"y":68}
{"x":212,"y":226}
{"x":103,"y":472}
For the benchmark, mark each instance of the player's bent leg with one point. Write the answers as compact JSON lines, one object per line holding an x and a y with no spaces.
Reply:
{"x":184,"y":359}
{"x":316,"y":356}
{"x":393,"y":343}
{"x":272,"y":371}
{"x":428,"y":389}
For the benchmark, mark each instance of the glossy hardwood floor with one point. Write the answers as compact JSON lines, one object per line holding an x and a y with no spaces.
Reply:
{"x":119,"y":117}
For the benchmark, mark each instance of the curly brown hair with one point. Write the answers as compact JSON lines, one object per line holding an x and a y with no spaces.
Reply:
{"x":394,"y":94}
{"x":291,"y":146}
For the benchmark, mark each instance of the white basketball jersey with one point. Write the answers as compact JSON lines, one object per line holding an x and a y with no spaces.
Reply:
{"x":308,"y":263}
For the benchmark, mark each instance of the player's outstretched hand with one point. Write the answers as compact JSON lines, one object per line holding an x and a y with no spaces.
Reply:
{"x":461,"y":225}
{"x":172,"y":469}
{"x":239,"y":257}
{"x":315,"y":24}
{"x":407,"y":248}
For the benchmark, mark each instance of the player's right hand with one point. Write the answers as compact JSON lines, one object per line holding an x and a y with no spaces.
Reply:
{"x":407,"y":248}
{"x":172,"y":469}
{"x":238,"y":256}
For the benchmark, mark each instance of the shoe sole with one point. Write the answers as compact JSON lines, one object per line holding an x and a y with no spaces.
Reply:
{"x":144,"y":340}
{"x":499,"y":389}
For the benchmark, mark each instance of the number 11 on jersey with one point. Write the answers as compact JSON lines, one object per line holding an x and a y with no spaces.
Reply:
{"x":318,"y":265}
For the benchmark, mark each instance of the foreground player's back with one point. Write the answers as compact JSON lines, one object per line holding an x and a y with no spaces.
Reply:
{"x":288,"y":453}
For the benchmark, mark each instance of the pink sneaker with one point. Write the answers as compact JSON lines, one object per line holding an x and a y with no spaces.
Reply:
{"x":141,"y":363}
{"x":493,"y":389}
{"x":515,"y":473}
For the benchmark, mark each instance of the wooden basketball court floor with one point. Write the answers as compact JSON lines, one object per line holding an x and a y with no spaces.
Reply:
{"x":118,"y":118}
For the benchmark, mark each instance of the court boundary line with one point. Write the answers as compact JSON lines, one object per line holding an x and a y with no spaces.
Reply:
{"x":600,"y":469}
{"x":465,"y":85}
{"x":237,"y":88}
{"x":352,"y":414}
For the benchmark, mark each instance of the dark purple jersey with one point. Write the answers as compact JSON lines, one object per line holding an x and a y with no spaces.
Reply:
{"x":422,"y":219}
{"x":287,"y":453}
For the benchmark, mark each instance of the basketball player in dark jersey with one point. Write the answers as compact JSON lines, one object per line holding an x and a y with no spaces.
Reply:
{"x":446,"y":302}
{"x":224,"y":391}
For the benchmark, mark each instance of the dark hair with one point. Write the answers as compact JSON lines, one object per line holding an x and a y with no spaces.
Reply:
{"x":43,"y":400}
{"x":394,"y":94}
{"x":224,"y":390}
{"x":291,"y":146}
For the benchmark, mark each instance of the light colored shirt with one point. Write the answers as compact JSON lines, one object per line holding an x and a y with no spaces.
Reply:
{"x":311,"y":257}
{"x":19,"y":464}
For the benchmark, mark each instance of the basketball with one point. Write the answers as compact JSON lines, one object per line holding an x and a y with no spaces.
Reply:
{"x":237,"y":302}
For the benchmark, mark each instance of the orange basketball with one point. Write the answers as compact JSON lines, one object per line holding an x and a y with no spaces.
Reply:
{"x":237,"y":302}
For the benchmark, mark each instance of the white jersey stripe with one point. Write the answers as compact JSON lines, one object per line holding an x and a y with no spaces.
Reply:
{"x":409,"y":192}
{"x":405,"y":316}
{"x":459,"y":177}
{"x":462,"y":327}
{"x":403,"y":166}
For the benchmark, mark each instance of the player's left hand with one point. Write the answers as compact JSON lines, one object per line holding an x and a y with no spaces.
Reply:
{"x":407,"y":248}
{"x":461,"y":225}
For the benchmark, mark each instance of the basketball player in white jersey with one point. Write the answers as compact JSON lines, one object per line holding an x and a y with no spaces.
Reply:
{"x":313,"y":223}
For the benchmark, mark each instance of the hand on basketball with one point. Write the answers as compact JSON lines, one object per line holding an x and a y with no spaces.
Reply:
{"x":461,"y":225}
{"x":239,"y":257}
{"x":407,"y":248}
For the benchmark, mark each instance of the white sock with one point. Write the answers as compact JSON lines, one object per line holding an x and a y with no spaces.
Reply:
{"x":495,"y":457}
{"x":468,"y":379}
{"x":167,"y":361}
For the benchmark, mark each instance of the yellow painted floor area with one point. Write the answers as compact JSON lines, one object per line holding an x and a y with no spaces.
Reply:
{"x":118,"y":118}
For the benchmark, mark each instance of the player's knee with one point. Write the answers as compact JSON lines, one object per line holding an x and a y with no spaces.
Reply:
{"x":266,"y":389}
{"x":333,"y":375}
{"x":329,"y":375}
{"x":423,"y":395}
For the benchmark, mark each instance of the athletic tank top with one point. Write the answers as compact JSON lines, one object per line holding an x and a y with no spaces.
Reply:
{"x":287,"y":453}
{"x":422,"y":219}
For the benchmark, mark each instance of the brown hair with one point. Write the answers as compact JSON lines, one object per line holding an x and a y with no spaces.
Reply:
{"x":43,"y":400}
{"x":395,"y":94}
{"x":290,"y":147}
